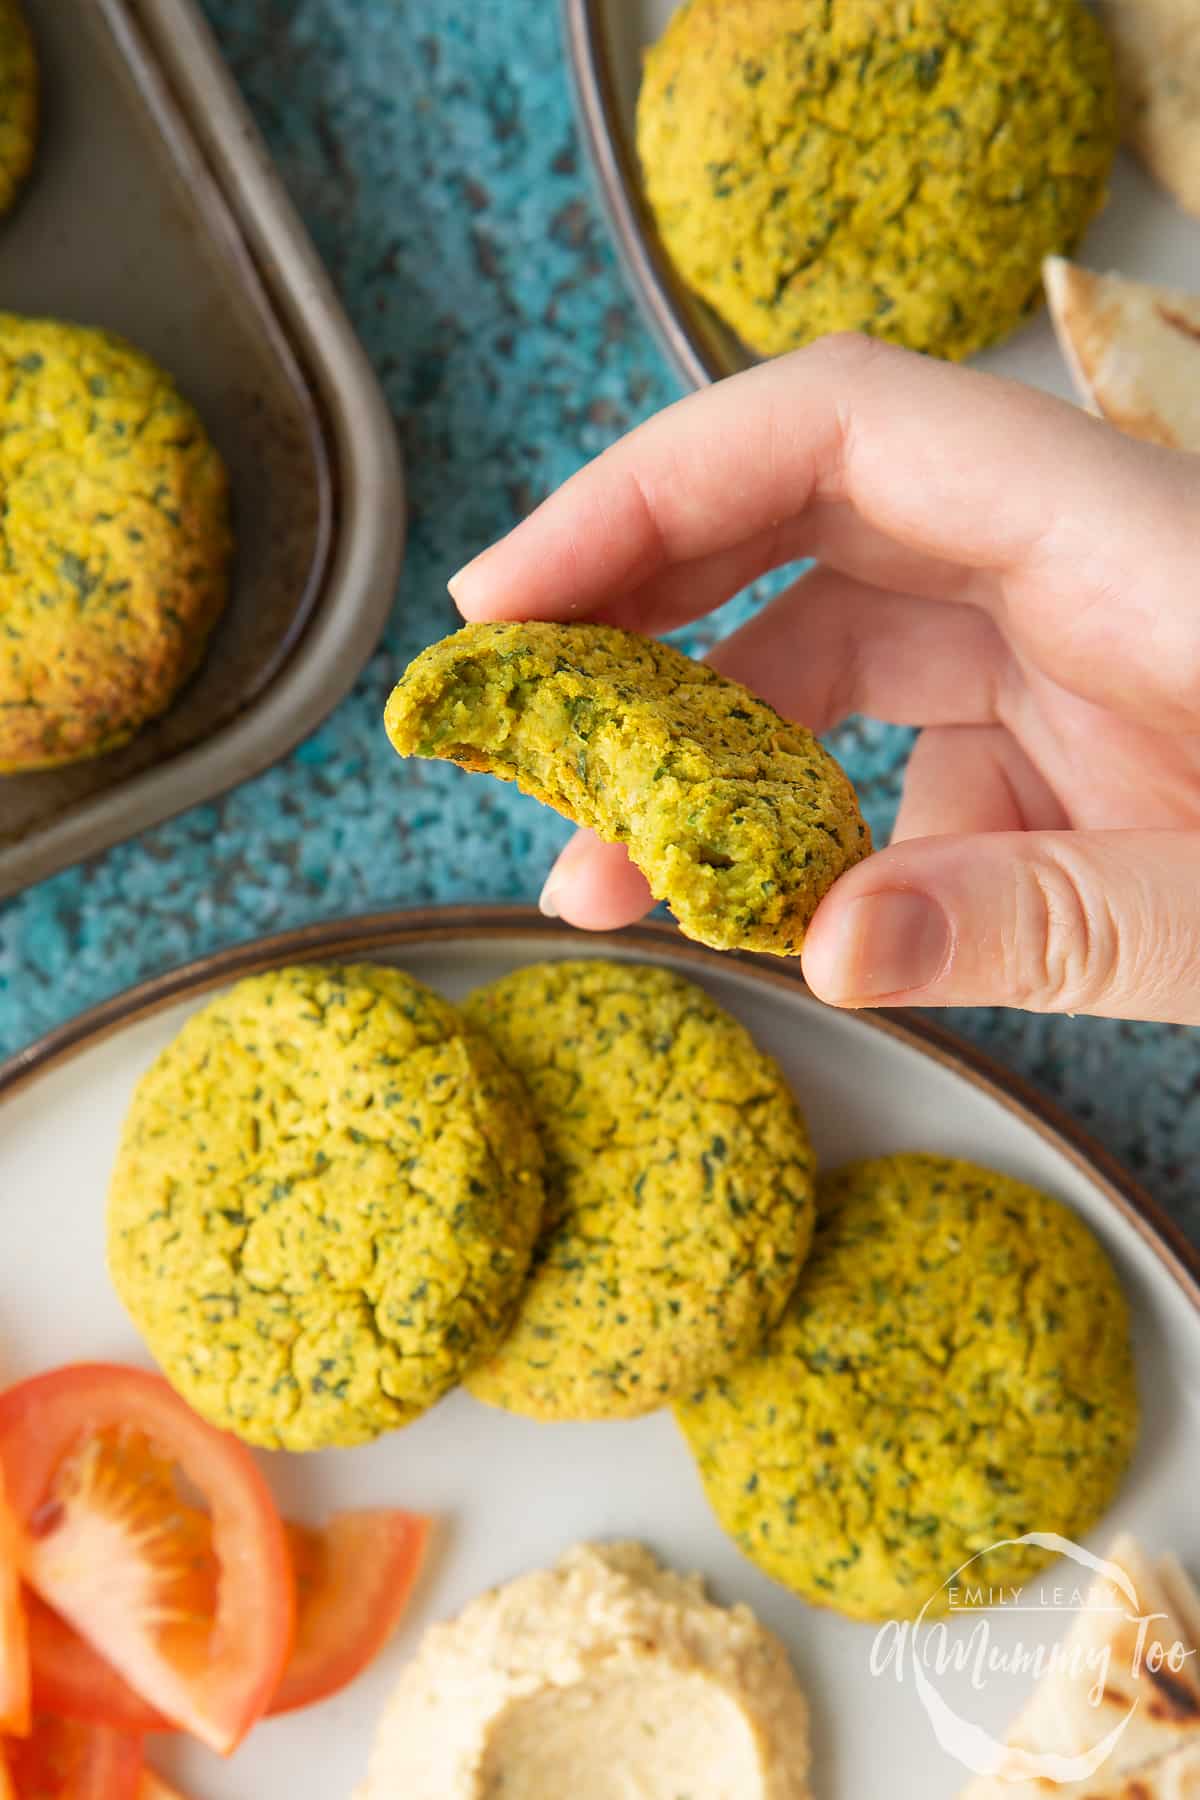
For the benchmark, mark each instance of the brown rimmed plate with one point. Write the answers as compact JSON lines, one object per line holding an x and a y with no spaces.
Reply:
{"x":1142,"y":233}
{"x":514,"y":1493}
{"x":154,"y":210}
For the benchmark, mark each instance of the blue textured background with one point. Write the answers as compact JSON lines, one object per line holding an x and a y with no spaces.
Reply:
{"x":430,"y":147}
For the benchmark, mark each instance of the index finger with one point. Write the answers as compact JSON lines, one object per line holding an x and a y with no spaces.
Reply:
{"x":949,"y":463}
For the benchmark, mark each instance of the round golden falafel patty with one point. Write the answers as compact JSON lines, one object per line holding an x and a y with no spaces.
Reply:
{"x":899,"y":167}
{"x":679,"y":1189}
{"x":740,"y":821}
{"x":18,"y":101}
{"x":954,"y":1369}
{"x":324,"y":1203}
{"x":115,"y":537}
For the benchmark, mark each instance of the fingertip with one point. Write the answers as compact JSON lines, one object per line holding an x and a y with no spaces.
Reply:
{"x":818,"y":958}
{"x":1100,"y":922}
{"x":595,"y":887}
{"x":876,"y":948}
{"x":483,"y":592}
{"x":468,"y":589}
{"x":547,"y":901}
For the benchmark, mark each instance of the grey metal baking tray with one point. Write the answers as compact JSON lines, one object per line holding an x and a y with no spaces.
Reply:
{"x":154,"y":210}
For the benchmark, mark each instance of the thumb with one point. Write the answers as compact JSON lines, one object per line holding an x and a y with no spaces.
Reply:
{"x":1104,"y":922}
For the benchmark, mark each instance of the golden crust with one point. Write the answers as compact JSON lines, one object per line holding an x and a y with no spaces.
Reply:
{"x":116,"y":542}
{"x":954,"y":1370}
{"x":324,"y":1204}
{"x":18,"y":101}
{"x":899,"y":167}
{"x":679,"y":1189}
{"x":739,"y":820}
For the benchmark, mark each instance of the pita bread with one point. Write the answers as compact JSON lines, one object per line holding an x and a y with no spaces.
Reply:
{"x":1182,"y":1594}
{"x":1134,"y":351}
{"x":1157,"y":1756}
{"x":1158,"y":70}
{"x":1175,"y":1778}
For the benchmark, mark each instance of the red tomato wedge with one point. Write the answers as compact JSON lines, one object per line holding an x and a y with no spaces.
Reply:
{"x":194,"y":1605}
{"x":67,"y":1760}
{"x":72,"y":1681}
{"x":15,"y":1701}
{"x":353,"y":1580}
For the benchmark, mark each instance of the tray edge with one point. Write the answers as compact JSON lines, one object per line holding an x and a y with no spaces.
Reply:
{"x":368,"y":543}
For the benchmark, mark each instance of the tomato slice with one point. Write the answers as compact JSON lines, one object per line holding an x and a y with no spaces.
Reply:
{"x":71,"y":1680}
{"x":65,"y":1759}
{"x":353,"y":1580}
{"x":194,"y":1606}
{"x":15,"y":1700}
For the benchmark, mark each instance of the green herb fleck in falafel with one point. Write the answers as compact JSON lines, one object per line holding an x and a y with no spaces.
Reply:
{"x":899,"y":167}
{"x":954,"y":1370}
{"x":679,"y":1187}
{"x":116,"y":542}
{"x":18,"y":101}
{"x":741,"y":821}
{"x":323,"y":1208}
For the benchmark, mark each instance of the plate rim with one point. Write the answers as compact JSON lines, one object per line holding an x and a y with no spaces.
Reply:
{"x":365,"y":934}
{"x":648,"y":270}
{"x":699,"y":346}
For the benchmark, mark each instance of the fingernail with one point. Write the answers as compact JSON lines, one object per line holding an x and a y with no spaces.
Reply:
{"x":560,"y":873}
{"x":889,"y":943}
{"x":546,"y":902}
{"x":463,"y":580}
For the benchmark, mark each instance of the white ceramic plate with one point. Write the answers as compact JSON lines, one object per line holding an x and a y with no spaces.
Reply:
{"x":1142,"y":233}
{"x":513,"y":1494}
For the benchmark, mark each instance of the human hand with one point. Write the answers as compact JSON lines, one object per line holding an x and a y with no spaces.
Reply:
{"x":1018,"y":580}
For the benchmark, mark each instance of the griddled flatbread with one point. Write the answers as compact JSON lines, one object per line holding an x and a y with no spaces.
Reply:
{"x":1134,"y":351}
{"x":1176,"y":1778}
{"x":1182,"y":1593}
{"x":1157,"y":1756}
{"x":1158,"y":72}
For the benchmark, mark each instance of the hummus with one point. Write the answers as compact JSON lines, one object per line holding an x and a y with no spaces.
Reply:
{"x":605,"y":1678}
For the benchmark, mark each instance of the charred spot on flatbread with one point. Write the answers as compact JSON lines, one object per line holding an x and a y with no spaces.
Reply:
{"x":1133,"y":349}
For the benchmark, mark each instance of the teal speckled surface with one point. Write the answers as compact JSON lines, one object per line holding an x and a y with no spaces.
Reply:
{"x":429,"y":145}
